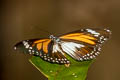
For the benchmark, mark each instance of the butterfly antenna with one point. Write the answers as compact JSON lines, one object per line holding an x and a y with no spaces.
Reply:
{"x":43,"y":30}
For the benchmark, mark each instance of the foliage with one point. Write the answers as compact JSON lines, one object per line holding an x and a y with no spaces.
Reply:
{"x":76,"y":70}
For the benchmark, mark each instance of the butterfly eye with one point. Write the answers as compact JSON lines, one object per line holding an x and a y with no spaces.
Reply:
{"x":51,"y":36}
{"x":57,"y":39}
{"x":54,"y":38}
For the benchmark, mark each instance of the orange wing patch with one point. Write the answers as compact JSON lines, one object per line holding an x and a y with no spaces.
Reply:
{"x":73,"y":34}
{"x":45,"y":46}
{"x":80,"y":37}
{"x":39,"y":41}
{"x":39,"y":46}
{"x":42,"y":43}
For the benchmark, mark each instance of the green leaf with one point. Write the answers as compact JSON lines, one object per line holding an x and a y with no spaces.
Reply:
{"x":76,"y":70}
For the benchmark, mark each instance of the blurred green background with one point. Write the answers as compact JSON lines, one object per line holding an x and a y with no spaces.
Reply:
{"x":25,"y":19}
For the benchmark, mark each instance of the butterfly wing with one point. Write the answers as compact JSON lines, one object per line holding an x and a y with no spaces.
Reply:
{"x":84,"y":44}
{"x":42,"y":48}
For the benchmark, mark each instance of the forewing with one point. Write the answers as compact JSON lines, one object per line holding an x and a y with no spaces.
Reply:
{"x":30,"y":46}
{"x":44,"y":49}
{"x":84,"y":44}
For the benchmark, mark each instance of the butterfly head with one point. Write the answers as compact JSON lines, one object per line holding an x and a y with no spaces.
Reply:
{"x":55,"y":39}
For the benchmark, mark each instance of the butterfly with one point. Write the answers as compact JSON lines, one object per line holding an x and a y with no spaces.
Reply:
{"x":81,"y":45}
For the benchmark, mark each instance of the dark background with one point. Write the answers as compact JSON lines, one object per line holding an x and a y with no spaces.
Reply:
{"x":26,"y":19}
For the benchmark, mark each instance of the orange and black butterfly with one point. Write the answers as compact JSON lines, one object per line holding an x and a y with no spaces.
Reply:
{"x":81,"y":45}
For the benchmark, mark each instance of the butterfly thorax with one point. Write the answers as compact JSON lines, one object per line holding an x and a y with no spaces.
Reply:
{"x":55,"y":39}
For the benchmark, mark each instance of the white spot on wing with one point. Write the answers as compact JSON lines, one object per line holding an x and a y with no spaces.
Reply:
{"x":93,"y":32}
{"x":15,"y":48}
